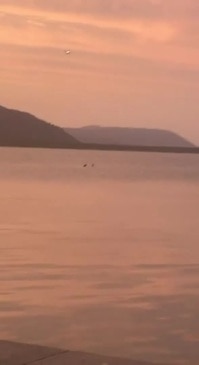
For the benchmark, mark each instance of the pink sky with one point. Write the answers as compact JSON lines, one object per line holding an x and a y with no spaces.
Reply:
{"x":132,"y":62}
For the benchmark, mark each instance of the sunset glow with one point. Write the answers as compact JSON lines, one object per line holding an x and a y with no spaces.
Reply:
{"x":132,"y":62}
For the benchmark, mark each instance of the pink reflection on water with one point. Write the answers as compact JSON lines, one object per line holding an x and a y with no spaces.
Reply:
{"x":101,"y":266}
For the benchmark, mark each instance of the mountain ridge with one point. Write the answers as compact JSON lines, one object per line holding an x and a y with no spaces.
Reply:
{"x":23,"y":129}
{"x":128,"y":136}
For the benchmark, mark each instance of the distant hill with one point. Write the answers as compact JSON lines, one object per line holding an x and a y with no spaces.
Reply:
{"x":25,"y":130}
{"x":128,"y":136}
{"x":21,"y":129}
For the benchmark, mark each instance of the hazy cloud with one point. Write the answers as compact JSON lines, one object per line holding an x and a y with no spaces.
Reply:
{"x":143,"y":47}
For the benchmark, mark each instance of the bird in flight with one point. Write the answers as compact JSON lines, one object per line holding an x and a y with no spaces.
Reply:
{"x":67,"y":51}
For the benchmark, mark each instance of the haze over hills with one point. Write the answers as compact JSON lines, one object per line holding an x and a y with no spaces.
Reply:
{"x":25,"y":130}
{"x":128,"y":136}
{"x":21,"y":129}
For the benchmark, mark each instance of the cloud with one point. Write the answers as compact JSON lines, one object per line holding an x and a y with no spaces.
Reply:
{"x":35,"y":23}
{"x":142,"y":9}
{"x":132,"y":28}
{"x":149,"y":20}
{"x":145,"y":28}
{"x":145,"y":47}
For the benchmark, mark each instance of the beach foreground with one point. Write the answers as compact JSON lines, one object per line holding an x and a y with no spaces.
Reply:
{"x":12,"y":353}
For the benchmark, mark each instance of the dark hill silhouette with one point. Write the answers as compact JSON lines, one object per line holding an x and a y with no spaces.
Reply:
{"x":25,"y":130}
{"x":128,"y":136}
{"x":20,"y":129}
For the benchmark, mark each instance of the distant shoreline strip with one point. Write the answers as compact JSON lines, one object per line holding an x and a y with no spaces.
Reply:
{"x":103,"y":147}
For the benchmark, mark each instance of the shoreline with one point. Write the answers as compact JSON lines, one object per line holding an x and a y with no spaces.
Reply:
{"x":14,"y":353}
{"x":113,"y":148}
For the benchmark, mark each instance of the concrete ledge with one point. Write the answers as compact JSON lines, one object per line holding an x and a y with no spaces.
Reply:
{"x":12,"y":353}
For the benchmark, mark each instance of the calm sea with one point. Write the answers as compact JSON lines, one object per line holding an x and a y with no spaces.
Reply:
{"x":101,"y":258}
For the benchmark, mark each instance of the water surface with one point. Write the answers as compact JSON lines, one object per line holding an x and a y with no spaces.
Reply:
{"x":105,"y":258}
